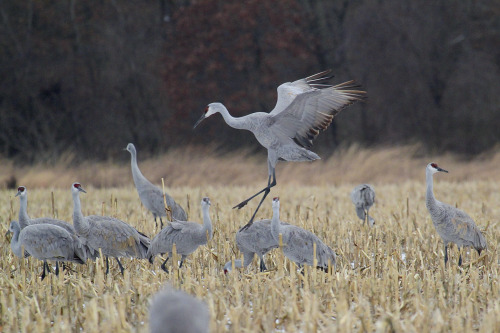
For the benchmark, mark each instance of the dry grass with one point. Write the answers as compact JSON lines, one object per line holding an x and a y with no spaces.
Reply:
{"x":195,"y":167}
{"x":390,"y":278}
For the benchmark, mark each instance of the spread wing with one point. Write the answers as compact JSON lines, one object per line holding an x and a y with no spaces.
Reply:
{"x":311,"y":111}
{"x":289,"y":90}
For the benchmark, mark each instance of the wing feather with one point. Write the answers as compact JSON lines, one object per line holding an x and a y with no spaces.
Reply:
{"x":312,"y":111}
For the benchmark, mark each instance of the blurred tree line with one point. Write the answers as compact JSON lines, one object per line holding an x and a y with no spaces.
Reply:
{"x":90,"y":76}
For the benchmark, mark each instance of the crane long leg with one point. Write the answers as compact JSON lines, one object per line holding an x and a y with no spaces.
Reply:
{"x":460,"y":260}
{"x":445,"y":254}
{"x":161,"y":223}
{"x":107,"y":265}
{"x":57,"y":268}
{"x":262,"y":265}
{"x":163,"y":265}
{"x":120,"y":264}
{"x":255,"y":213}
{"x":43,"y":273}
{"x":266,"y":191}
{"x":267,"y":188}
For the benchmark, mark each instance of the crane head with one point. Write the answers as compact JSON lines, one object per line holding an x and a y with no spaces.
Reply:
{"x":433,"y":167}
{"x":77,"y":187}
{"x":211,"y":109}
{"x":206,"y":201}
{"x":276,"y":202}
{"x":21,"y":190}
{"x":130,"y":148}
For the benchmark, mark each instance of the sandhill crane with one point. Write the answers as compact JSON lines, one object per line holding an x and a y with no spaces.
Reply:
{"x":25,"y":220}
{"x":452,"y":224}
{"x":175,"y":311}
{"x":363,"y":197}
{"x":152,"y":196}
{"x":304,"y":108}
{"x":186,"y":236}
{"x":114,"y":237}
{"x":298,"y":243}
{"x":256,"y":239}
{"x":47,"y":242}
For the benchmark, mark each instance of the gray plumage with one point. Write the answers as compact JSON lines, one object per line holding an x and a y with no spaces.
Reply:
{"x":452,"y":224}
{"x":25,"y":220}
{"x":256,"y":239}
{"x":174,"y":311}
{"x":114,"y":237}
{"x":298,"y":243}
{"x":47,"y":242}
{"x":363,"y":197}
{"x":152,"y":196}
{"x":186,"y":236}
{"x":303,"y":109}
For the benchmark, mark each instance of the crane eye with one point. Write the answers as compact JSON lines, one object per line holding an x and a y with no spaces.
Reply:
{"x":206,"y":109}
{"x":434,"y":165}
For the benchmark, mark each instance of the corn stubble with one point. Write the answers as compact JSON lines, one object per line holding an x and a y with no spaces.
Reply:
{"x":388,"y":278}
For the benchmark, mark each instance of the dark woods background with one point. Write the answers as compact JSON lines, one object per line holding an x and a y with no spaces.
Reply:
{"x":90,"y":76}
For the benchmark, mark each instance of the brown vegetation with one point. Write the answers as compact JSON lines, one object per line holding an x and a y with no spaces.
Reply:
{"x":202,"y":166}
{"x":389,"y":278}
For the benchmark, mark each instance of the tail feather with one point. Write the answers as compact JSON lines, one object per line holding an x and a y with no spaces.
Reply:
{"x":143,"y":245}
{"x":80,"y":250}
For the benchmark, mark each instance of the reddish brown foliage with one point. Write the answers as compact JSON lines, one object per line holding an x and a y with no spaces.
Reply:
{"x":235,"y":54}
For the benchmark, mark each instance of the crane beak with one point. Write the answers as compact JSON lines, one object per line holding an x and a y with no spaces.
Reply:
{"x":442,"y":170}
{"x":7,"y":233}
{"x":17,"y":194}
{"x":199,"y":121}
{"x":82,"y":190}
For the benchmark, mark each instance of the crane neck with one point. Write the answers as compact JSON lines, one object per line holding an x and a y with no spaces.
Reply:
{"x":238,"y":123}
{"x":23,"y":211}
{"x":14,"y":242}
{"x":136,"y":172}
{"x":275,"y":224}
{"x":207,"y":222}
{"x":81,"y":225}
{"x":430,"y":200}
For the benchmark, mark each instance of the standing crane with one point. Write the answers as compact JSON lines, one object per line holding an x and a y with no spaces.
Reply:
{"x":452,"y":224}
{"x":256,"y":239}
{"x":186,"y":236}
{"x":304,"y":108}
{"x":114,"y":237}
{"x":152,"y":196}
{"x":363,"y":197}
{"x":298,"y":243}
{"x":25,"y":220}
{"x":47,"y":242}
